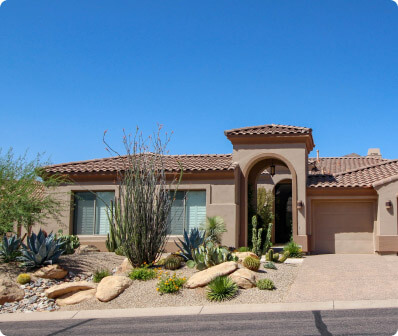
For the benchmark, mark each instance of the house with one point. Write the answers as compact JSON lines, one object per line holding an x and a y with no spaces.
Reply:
{"x":330,"y":204}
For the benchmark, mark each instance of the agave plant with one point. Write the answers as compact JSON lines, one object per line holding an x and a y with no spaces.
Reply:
{"x":9,"y":248}
{"x":42,"y":250}
{"x":190,"y":243}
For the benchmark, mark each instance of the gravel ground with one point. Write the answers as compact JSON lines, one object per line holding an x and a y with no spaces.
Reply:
{"x":143,"y":293}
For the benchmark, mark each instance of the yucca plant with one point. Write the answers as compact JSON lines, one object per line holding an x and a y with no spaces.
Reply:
{"x":214,"y":228}
{"x":9,"y":248}
{"x":191,"y":242}
{"x":41,"y":250}
{"x":221,"y":288}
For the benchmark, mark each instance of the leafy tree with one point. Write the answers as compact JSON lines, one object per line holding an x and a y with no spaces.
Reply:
{"x":24,"y":200}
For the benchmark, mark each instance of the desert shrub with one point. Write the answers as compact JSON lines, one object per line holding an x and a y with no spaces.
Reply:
{"x":23,"y":278}
{"x":172,"y":262}
{"x":142,"y":273}
{"x":244,"y":249}
{"x":221,"y":288}
{"x":190,"y":243}
{"x":251,"y":263}
{"x":71,"y":242}
{"x":294,"y":250}
{"x":265,"y":284}
{"x":270,"y":265}
{"x":169,"y":283}
{"x":100,"y":274}
{"x":9,"y":248}
{"x":214,"y":229}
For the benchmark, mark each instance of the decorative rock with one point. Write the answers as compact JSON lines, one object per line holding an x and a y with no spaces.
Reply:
{"x":112,"y":286}
{"x":10,"y":291}
{"x":50,"y":272}
{"x":84,"y":249}
{"x":67,"y":287}
{"x":74,"y":298}
{"x":243,"y":255}
{"x":244,"y":278}
{"x":124,"y":267}
{"x":202,"y":278}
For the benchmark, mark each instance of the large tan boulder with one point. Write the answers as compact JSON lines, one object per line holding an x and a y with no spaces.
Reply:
{"x":68,"y":287}
{"x":242,"y":255}
{"x":244,"y":278}
{"x":84,"y":249}
{"x":124,"y":268}
{"x":202,"y":278}
{"x":76,"y":297}
{"x":51,"y":272}
{"x":10,"y":291}
{"x":111,"y":287}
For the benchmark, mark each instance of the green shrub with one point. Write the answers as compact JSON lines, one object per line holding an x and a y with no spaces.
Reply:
{"x":251,"y":263}
{"x":23,"y":278}
{"x":100,"y":274}
{"x":214,"y":229}
{"x":294,"y":250}
{"x":244,"y":249}
{"x":265,"y":284}
{"x":120,"y":251}
{"x":142,"y":273}
{"x":172,"y":262}
{"x":170,"y":283}
{"x":71,"y":242}
{"x":9,"y":248}
{"x":221,"y":288}
{"x":270,"y":265}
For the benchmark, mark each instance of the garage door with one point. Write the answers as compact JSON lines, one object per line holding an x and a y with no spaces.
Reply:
{"x":343,"y":227}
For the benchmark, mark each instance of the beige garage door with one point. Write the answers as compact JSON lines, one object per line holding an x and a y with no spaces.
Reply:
{"x":343,"y":227}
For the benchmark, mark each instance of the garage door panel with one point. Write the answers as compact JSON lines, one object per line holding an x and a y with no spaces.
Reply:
{"x":343,"y":227}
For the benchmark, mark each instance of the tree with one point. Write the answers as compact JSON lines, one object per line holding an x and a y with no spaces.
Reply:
{"x":24,"y":200}
{"x":139,"y":215}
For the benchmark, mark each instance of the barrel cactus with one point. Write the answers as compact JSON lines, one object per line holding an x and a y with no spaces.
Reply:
{"x":284,"y":257}
{"x":172,"y":262}
{"x":251,"y":263}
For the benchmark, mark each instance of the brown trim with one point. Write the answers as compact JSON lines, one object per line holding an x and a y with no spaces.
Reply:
{"x":341,"y":192}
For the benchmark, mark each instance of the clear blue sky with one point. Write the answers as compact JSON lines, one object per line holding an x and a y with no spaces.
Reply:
{"x":71,"y":69}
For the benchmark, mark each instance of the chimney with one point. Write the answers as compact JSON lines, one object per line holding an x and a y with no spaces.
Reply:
{"x":374,"y":153}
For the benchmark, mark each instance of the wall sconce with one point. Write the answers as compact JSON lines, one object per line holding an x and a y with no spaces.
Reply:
{"x":300,"y":204}
{"x":388,"y":205}
{"x":272,"y":169}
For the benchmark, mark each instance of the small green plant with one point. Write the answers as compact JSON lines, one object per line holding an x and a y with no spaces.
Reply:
{"x":120,"y":251}
{"x":270,"y":265}
{"x":251,"y":263}
{"x":143,"y":273}
{"x":294,"y":250}
{"x":9,"y":248}
{"x":221,"y":288}
{"x":71,"y":242}
{"x":172,"y":262}
{"x":265,"y":284}
{"x":214,"y":229}
{"x":23,"y":278}
{"x":169,"y":283}
{"x":256,"y":237}
{"x":244,"y":249}
{"x":100,"y":274}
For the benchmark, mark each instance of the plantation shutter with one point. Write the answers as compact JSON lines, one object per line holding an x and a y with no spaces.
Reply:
{"x":195,"y":209}
{"x":176,"y":216}
{"x":103,"y":201}
{"x":84,"y":213}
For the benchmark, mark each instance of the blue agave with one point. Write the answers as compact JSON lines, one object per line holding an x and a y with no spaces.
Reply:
{"x":191,"y":242}
{"x":9,"y":248}
{"x":42,"y":250}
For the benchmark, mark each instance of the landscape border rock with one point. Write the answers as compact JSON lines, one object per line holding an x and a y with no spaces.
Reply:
{"x":10,"y":291}
{"x":51,"y":272}
{"x":67,"y":287}
{"x":111,"y":287}
{"x":76,"y":297}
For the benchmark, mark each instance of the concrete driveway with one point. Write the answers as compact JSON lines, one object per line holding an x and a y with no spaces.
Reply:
{"x":340,"y":277}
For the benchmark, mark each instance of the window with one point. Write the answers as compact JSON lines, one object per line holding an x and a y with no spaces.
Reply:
{"x":90,"y":217}
{"x":188,"y":211}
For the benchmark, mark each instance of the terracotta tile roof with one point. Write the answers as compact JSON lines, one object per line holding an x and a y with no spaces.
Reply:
{"x":333,"y":165}
{"x":199,"y":162}
{"x":271,"y":129}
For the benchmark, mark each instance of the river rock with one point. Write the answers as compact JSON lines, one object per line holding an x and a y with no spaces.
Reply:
{"x":202,"y":278}
{"x":76,"y":297}
{"x":68,"y":287}
{"x":51,"y":272}
{"x":244,"y":278}
{"x":111,"y":287}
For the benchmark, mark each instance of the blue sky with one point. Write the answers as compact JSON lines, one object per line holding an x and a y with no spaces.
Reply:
{"x":71,"y":69}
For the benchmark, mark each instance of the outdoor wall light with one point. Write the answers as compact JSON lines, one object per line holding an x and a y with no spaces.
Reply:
{"x":272,"y":169}
{"x":300,"y":204}
{"x":388,"y":205}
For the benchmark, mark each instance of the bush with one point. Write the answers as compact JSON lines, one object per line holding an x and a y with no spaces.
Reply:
{"x":270,"y":265}
{"x":170,"y":284}
{"x":265,"y":284}
{"x":142,"y":273}
{"x":244,"y":249}
{"x":294,"y":250}
{"x":120,"y":251}
{"x":221,"y":288}
{"x":71,"y":242}
{"x":9,"y":248}
{"x":100,"y":274}
{"x":251,"y":263}
{"x":23,"y":278}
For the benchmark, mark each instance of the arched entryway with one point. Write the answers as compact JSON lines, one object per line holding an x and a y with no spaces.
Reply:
{"x":283,"y":212}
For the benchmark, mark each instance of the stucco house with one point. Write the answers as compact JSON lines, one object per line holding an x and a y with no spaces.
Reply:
{"x":332,"y":204}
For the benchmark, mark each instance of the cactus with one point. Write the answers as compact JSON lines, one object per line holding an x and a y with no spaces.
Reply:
{"x":276,"y":257}
{"x":172,"y":262}
{"x":251,"y":263}
{"x":256,"y":237}
{"x":23,"y":278}
{"x":284,"y":257}
{"x":269,"y":256}
{"x":209,"y":255}
{"x":270,"y":265}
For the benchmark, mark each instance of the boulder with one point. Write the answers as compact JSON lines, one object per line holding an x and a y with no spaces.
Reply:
{"x":10,"y":291}
{"x":111,"y":287}
{"x":76,"y":297}
{"x":68,"y":287}
{"x":84,"y":249}
{"x":51,"y":272}
{"x":243,"y":255}
{"x":124,"y":267}
{"x":202,"y":278}
{"x":244,"y":278}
